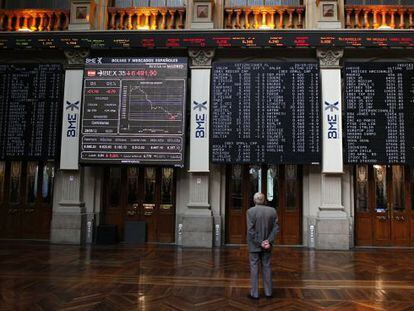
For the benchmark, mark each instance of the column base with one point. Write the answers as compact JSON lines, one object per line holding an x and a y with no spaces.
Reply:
{"x":332,"y":233}
{"x":197,"y":230}
{"x":197,"y":220}
{"x":332,"y":211}
{"x":68,"y":224}
{"x":68,"y":228}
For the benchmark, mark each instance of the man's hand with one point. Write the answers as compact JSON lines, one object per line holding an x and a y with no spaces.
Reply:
{"x":265,"y":244}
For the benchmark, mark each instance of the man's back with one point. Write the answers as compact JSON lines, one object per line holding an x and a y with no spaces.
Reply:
{"x":262,"y":225}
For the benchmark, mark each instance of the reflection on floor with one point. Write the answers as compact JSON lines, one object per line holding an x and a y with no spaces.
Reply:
{"x":36,"y":276}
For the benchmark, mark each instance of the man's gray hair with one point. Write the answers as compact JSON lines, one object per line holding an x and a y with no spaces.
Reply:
{"x":259,"y":198}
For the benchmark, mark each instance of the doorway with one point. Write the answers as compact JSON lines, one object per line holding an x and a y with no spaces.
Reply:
{"x":384,"y":205}
{"x":282,"y":185}
{"x":147,"y":194}
{"x":26,"y":199}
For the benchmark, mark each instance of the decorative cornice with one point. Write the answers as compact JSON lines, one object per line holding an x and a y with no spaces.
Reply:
{"x":329,"y":58}
{"x":76,"y":58}
{"x":201,"y":58}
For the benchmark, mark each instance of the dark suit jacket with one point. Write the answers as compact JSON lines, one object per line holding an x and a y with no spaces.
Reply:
{"x":262,"y":224}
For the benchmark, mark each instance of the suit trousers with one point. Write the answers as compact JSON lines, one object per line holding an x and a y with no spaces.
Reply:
{"x":255,"y":259}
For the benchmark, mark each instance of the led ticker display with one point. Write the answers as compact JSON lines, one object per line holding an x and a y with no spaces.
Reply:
{"x":213,"y":39}
{"x":134,"y":111}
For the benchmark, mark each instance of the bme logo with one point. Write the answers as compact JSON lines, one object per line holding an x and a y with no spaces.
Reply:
{"x":72,"y":118}
{"x":332,"y":107}
{"x":200,"y":119}
{"x":332,"y":119}
{"x":72,"y":106}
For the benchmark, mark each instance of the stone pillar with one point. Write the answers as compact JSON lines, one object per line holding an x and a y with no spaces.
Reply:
{"x":92,"y":193}
{"x":332,"y":222}
{"x":197,"y":221}
{"x":69,"y":217}
{"x":101,"y":16}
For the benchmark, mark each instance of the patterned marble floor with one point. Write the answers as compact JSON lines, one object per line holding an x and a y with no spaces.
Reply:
{"x":40,"y":276}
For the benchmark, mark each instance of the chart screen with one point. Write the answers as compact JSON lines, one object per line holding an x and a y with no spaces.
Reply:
{"x":133,"y":111}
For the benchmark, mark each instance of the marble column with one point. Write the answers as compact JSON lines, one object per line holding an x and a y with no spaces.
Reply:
{"x":197,"y":220}
{"x":101,"y":16}
{"x":332,"y":222}
{"x":69,"y":221}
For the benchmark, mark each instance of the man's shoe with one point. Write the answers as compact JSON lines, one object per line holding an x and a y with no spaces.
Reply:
{"x":269,"y":297}
{"x":252,"y":297}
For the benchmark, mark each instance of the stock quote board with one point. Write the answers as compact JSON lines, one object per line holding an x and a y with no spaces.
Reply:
{"x":183,"y":39}
{"x":265,"y":113}
{"x":134,"y":111}
{"x":31,"y":100}
{"x":379,"y":113}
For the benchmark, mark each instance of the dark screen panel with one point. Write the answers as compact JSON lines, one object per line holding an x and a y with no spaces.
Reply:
{"x":379,"y":113}
{"x":30,"y":113}
{"x":4,"y":85}
{"x":134,"y":111}
{"x":265,"y":113}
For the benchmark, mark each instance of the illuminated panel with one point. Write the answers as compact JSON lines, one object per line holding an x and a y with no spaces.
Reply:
{"x":209,"y":39}
{"x":134,"y":111}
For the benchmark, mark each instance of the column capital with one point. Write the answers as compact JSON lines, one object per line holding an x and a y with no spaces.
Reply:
{"x":75,"y":59}
{"x":201,"y":58}
{"x":329,"y":58}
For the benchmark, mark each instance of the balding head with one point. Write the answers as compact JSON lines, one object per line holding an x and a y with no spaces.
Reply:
{"x":259,"y":198}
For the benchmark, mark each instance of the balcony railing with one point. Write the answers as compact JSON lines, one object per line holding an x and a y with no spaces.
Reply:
{"x":34,"y":20}
{"x":379,"y":2}
{"x":373,"y":17}
{"x":268,"y":17}
{"x":146,"y":18}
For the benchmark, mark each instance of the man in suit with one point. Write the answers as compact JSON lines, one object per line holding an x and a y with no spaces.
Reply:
{"x":262,"y":227}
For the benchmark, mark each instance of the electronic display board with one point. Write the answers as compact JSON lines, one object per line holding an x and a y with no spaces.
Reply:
{"x":182,"y":39}
{"x":379,"y":113}
{"x":31,"y":99}
{"x":265,"y":113}
{"x":134,"y":110}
